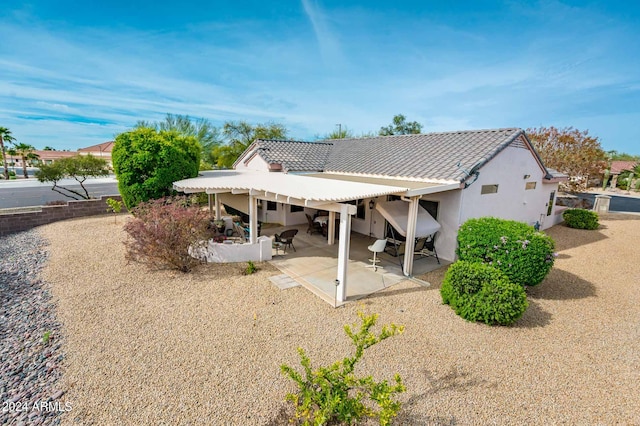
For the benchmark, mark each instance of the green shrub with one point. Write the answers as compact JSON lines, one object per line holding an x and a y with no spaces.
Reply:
{"x":334,"y":394}
{"x":251,"y":268}
{"x":147,"y":163}
{"x":580,"y":219}
{"x":479,"y":292}
{"x":115,"y":207}
{"x":517,"y":249}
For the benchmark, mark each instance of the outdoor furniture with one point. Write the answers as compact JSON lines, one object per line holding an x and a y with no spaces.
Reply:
{"x":321,"y":220}
{"x":286,"y":238}
{"x":377,"y":247}
{"x":426,"y":247}
{"x":313,"y":226}
{"x":241,"y":232}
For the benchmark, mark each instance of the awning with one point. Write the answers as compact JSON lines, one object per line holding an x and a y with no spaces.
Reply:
{"x":283,"y":186}
{"x":397,"y":214}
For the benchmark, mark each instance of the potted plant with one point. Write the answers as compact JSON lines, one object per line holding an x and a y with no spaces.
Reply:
{"x":220,"y":225}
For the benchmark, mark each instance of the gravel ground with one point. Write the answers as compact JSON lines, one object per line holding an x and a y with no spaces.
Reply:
{"x":30,"y":367}
{"x":147,"y":347}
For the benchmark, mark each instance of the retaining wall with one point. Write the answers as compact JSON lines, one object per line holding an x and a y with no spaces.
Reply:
{"x":21,"y":221}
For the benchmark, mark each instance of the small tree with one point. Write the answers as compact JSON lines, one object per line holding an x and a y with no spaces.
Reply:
{"x":25,"y":152}
{"x":335,"y":394}
{"x":115,"y":206}
{"x":570,"y":151}
{"x":78,"y":167}
{"x":147,"y":162}
{"x":400,"y":126}
{"x":165,"y":233}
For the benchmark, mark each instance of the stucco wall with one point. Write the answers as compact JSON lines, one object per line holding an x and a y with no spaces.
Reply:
{"x":16,"y":222}
{"x":512,"y":201}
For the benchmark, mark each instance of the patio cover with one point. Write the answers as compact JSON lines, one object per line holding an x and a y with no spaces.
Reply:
{"x":287,"y":188}
{"x":397,"y":214}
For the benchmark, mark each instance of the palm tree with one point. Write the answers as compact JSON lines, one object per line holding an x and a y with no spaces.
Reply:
{"x":5,"y":136}
{"x":25,"y":152}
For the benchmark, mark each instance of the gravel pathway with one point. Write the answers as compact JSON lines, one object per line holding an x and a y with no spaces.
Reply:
{"x":158,"y":347}
{"x":30,"y":371}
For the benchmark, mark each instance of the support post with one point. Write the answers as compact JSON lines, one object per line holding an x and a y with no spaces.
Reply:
{"x":410,"y":244}
{"x":218,"y":210}
{"x":253,"y":219}
{"x":331,"y":228}
{"x":343,"y":254}
{"x":210,"y":199}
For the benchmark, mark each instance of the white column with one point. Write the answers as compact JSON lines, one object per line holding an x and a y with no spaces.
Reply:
{"x":343,"y":253}
{"x":218,"y":211}
{"x":331,"y":228}
{"x":410,"y":244}
{"x":253,"y":219}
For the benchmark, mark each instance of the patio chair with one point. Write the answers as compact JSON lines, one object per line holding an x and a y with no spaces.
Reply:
{"x":313,"y":226}
{"x":377,"y":247}
{"x":286,"y":238}
{"x":427,"y":247}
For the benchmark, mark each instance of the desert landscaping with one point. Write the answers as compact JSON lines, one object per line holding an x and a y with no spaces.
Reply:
{"x":161,"y":347}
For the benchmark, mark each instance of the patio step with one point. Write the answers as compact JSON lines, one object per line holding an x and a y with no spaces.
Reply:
{"x":284,"y":281}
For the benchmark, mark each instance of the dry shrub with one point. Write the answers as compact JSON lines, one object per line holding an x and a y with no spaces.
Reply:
{"x":163,"y":231}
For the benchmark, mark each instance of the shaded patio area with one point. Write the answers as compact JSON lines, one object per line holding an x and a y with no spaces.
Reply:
{"x":314,"y":265}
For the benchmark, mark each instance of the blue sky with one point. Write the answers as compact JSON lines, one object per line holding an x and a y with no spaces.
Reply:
{"x":74,"y":74}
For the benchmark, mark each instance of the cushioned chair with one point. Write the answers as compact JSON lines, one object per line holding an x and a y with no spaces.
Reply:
{"x":242,"y":233}
{"x":286,"y":238}
{"x":377,"y":247}
{"x":313,"y":226}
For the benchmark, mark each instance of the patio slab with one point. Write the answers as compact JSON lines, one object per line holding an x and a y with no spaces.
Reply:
{"x":314,"y":265}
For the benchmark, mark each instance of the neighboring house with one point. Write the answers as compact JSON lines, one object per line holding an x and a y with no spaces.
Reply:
{"x":454,"y":176}
{"x":46,"y":157}
{"x":617,"y":167}
{"x":102,"y":150}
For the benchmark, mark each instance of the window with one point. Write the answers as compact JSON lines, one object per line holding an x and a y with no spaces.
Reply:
{"x":489,"y":189}
{"x":272,"y":205}
{"x":530,"y":185}
{"x":431,"y":207}
{"x":295,"y":209}
{"x":360,"y":210}
{"x":550,"y":203}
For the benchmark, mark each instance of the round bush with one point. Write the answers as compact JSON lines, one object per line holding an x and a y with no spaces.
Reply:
{"x":581,"y":219}
{"x":147,"y":163}
{"x":479,"y":292}
{"x":517,"y":249}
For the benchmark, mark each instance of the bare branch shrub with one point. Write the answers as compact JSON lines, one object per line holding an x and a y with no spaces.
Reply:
{"x":164,"y":231}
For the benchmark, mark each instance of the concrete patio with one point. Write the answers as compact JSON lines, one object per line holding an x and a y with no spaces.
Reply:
{"x":314,"y":265}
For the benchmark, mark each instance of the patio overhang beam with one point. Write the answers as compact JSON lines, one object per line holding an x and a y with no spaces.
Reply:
{"x":433,"y":189}
{"x":320,"y":205}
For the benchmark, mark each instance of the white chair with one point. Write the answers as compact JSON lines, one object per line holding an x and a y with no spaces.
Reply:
{"x":377,"y":247}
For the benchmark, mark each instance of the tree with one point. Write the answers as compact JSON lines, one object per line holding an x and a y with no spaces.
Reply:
{"x":570,"y":151}
{"x":400,"y":126}
{"x":208,"y":136}
{"x":614,"y":155}
{"x":147,"y":162}
{"x":78,"y":167}
{"x":25,"y":152}
{"x":342,"y":132}
{"x":48,"y":148}
{"x":239,"y":135}
{"x":5,"y":136}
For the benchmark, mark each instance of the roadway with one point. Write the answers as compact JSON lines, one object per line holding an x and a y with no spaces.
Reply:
{"x":30,"y":192}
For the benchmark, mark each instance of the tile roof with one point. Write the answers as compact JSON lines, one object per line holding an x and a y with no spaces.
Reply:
{"x":294,"y":156}
{"x":447,"y":156}
{"x":619,"y":166}
{"x":433,"y":156}
{"x":101,"y":147}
